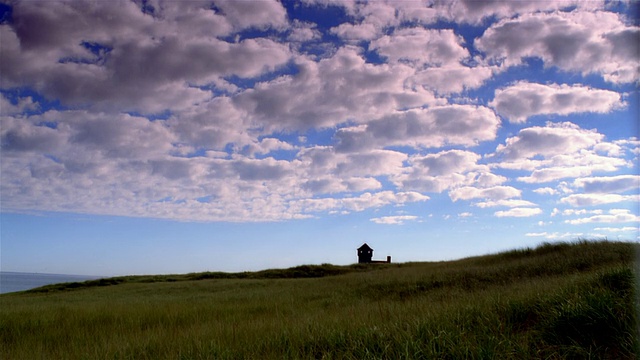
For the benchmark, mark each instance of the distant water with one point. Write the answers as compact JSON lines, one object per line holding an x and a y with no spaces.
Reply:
{"x":18,"y":281}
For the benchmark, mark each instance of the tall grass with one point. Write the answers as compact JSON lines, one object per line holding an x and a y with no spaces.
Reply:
{"x":554,"y":301}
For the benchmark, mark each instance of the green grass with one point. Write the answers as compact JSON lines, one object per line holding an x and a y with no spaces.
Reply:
{"x":556,"y":301}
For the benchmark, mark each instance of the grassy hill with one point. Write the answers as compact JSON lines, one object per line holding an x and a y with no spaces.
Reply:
{"x":555,"y":301}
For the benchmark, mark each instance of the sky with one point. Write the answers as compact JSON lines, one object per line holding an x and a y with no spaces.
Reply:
{"x":155,"y":137}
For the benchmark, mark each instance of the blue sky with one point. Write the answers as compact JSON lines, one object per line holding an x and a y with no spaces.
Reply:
{"x":152,"y":137}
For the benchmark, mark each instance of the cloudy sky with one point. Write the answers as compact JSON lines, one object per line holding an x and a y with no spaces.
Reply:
{"x":177,"y":136}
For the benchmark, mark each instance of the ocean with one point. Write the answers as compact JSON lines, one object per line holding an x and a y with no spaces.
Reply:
{"x":19,"y":281}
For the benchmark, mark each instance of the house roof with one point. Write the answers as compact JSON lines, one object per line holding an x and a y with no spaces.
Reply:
{"x":365,"y":247}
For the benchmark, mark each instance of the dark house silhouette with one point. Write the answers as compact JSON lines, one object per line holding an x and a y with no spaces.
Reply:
{"x":365,"y":255}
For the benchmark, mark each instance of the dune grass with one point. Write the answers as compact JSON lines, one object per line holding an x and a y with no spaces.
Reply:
{"x":555,"y":301}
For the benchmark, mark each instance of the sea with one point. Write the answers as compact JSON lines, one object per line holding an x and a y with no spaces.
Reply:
{"x":19,"y":281}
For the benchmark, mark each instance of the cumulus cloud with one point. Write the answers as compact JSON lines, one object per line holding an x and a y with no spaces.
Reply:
{"x":609,"y":184}
{"x":452,"y":79}
{"x":253,"y":14}
{"x":566,"y":166}
{"x":372,"y":163}
{"x":19,"y":105}
{"x":249,"y":111}
{"x":616,"y":230}
{"x":523,"y":100}
{"x":394,"y":220}
{"x":545,"y":191}
{"x":587,"y":42}
{"x":556,"y":235}
{"x":430,"y":127}
{"x":556,"y":151}
{"x":507,"y":203}
{"x":325,"y":170}
{"x":494,"y":193}
{"x":552,"y":139}
{"x":356,"y":32}
{"x":475,"y":11}
{"x":597,"y":199}
{"x":266,"y":146}
{"x":421,"y":47}
{"x":444,"y":170}
{"x":438,"y":55}
{"x":301,"y":32}
{"x":519,"y":212}
{"x":570,"y":212}
{"x":62,"y":133}
{"x":330,"y":92}
{"x":124,"y":59}
{"x":360,"y":203}
{"x":389,"y":12}
{"x":614,"y":216}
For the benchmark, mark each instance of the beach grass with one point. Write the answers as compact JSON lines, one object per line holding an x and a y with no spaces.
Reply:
{"x":556,"y":301}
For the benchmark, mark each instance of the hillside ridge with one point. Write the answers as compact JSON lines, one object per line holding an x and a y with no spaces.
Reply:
{"x":582,"y":256}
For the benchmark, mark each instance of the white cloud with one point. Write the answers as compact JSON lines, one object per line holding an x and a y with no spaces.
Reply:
{"x":569,"y":212}
{"x":609,"y":184}
{"x":7,"y":107}
{"x":329,"y":92}
{"x":211,"y":124}
{"x":519,"y":212}
{"x":550,"y":140}
{"x":261,"y":170}
{"x":241,"y":112}
{"x":325,"y":171}
{"x":266,"y":146}
{"x":556,"y":235}
{"x":371,"y":163}
{"x":507,"y":203}
{"x":597,"y":199}
{"x":124,"y":60}
{"x":614,"y":216}
{"x":356,"y":32}
{"x":18,"y":135}
{"x":587,"y":42}
{"x":333,"y":185}
{"x":556,"y":151}
{"x":440,"y":171}
{"x":254,"y":14}
{"x":523,"y":100}
{"x":609,"y":148}
{"x":475,"y":11}
{"x":303,"y":31}
{"x":360,"y":203}
{"x":390,"y":12}
{"x":430,"y":127}
{"x":584,"y":163}
{"x":394,"y":220}
{"x":620,"y":229}
{"x":98,"y":135}
{"x":495,"y":193}
{"x":631,"y":144}
{"x":421,"y":47}
{"x":454,"y":78}
{"x":545,"y":191}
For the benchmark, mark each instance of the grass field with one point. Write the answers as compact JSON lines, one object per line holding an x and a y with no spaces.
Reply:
{"x":556,"y":301}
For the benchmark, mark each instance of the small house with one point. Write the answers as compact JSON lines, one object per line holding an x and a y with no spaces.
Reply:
{"x":365,"y":255}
